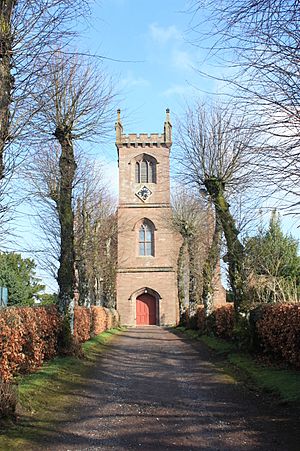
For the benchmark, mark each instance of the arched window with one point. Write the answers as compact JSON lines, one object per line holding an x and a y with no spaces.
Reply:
{"x":146,"y":239}
{"x":152,"y":171}
{"x":137,"y":171}
{"x":145,"y":169}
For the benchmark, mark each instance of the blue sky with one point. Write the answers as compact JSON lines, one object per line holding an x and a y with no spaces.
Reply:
{"x":152,"y":35}
{"x":160,"y":72}
{"x":156,"y":67}
{"x":156,"y":37}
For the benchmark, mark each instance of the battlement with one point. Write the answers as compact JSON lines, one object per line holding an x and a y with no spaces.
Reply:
{"x":144,"y":139}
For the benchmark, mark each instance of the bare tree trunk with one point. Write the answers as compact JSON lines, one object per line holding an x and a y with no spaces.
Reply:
{"x":66,"y":271}
{"x":192,"y":284}
{"x":183,"y":278}
{"x":210,"y":267}
{"x":6,"y":79}
{"x":235,"y":250}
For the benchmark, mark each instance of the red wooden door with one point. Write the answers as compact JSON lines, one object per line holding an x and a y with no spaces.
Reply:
{"x":145,"y":310}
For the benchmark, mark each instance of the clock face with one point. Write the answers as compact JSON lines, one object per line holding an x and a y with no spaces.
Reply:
{"x":144,"y":193}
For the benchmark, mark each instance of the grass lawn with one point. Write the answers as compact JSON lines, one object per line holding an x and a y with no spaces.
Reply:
{"x":283,"y":383}
{"x":44,"y":396}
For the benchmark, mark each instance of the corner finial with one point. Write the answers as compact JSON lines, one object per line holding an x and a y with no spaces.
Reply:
{"x":168,"y":128}
{"x":118,"y":127}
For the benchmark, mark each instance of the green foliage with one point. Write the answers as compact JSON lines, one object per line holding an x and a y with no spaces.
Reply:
{"x":273,"y":264}
{"x":18,"y":275}
{"x":283,"y":382}
{"x":48,"y":298}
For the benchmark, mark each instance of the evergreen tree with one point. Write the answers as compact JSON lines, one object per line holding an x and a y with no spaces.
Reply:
{"x":273,"y":264}
{"x":17,"y":274}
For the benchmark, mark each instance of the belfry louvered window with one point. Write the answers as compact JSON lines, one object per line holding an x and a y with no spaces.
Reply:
{"x":146,"y":240}
{"x":145,"y":171}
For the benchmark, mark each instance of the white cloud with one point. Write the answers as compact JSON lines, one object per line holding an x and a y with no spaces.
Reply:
{"x":130,"y":81}
{"x":162,"y":35}
{"x":182,"y":60}
{"x":179,"y":90}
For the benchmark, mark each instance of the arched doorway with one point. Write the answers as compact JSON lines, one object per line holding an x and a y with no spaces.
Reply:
{"x":145,"y":310}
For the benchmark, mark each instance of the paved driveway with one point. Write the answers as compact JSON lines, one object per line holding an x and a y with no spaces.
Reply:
{"x":155,"y":391}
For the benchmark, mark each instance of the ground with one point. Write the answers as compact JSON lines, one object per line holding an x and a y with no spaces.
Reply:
{"x":153,"y":390}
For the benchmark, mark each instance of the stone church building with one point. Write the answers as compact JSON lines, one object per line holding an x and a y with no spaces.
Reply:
{"x":147,"y":246}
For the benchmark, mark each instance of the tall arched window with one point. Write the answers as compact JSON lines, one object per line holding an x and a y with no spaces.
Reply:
{"x":145,"y":169}
{"x":144,"y":172}
{"x":146,"y":239}
{"x":137,"y":171}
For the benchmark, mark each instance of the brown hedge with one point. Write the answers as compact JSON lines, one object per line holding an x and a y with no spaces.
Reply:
{"x":89,"y":322}
{"x":278,"y":330}
{"x":29,"y":335}
{"x":220,"y":322}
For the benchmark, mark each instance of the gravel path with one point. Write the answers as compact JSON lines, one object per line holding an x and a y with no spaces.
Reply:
{"x":154,"y":391}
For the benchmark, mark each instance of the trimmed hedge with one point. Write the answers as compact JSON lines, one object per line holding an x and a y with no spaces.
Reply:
{"x":82,"y":324}
{"x":275,"y":329}
{"x":278,"y":330}
{"x":89,"y":322}
{"x":29,"y":335}
{"x":99,"y":320}
{"x":220,"y":322}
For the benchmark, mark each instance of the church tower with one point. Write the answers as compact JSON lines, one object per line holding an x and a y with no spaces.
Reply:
{"x":147,"y":245}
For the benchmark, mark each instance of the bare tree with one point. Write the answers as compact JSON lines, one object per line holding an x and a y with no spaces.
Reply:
{"x":29,"y":32}
{"x":215,"y":159}
{"x":190,"y":219}
{"x":259,"y":42}
{"x":41,"y":175}
{"x":75,"y":106}
{"x":94,"y":223}
{"x":95,"y":241}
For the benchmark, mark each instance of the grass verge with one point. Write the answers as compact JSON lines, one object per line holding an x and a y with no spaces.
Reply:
{"x":45,"y":397}
{"x":283,"y":383}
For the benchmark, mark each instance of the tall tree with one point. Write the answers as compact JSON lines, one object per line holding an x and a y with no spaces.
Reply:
{"x":215,"y":159}
{"x":192,"y":220}
{"x":95,"y":241}
{"x":17,"y":274}
{"x":29,"y":31}
{"x":273,"y":264}
{"x":259,"y":42}
{"x":75,"y":106}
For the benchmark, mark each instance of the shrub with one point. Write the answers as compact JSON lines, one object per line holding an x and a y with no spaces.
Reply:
{"x":224,"y":321}
{"x":28,"y":336}
{"x":99,"y":320}
{"x":201,"y":319}
{"x":82,"y":324}
{"x":278,"y":331}
{"x":219,"y":323}
{"x":109,"y":318}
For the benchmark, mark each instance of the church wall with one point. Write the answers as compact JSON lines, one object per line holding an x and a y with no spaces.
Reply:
{"x":127,"y":185}
{"x":165,"y":241}
{"x":164,"y":283}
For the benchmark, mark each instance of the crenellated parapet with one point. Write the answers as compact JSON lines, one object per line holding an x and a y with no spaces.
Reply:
{"x":144,"y":139}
